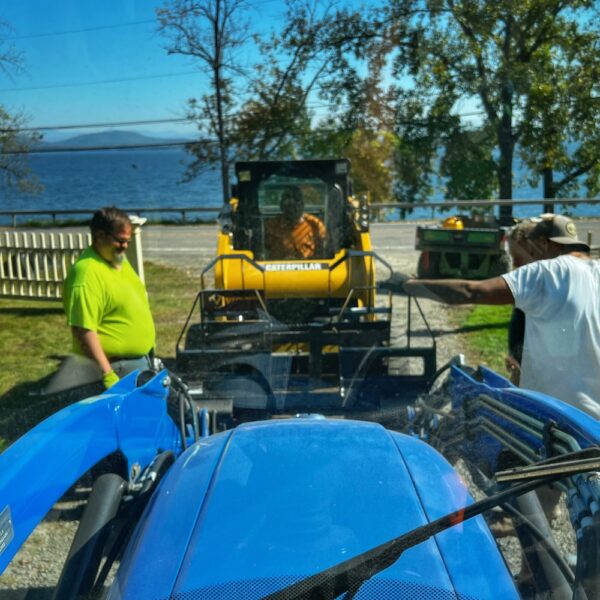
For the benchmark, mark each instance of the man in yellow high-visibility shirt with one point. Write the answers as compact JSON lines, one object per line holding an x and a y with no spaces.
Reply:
{"x":107,"y":308}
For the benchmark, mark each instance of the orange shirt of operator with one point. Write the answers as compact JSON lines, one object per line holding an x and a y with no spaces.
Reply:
{"x":294,"y":234}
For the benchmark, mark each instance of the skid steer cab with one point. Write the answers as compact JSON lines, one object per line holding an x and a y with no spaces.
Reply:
{"x":290,"y":320}
{"x":302,"y":232}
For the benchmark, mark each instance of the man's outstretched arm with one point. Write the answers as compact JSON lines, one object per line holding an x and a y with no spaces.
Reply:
{"x":461,"y":291}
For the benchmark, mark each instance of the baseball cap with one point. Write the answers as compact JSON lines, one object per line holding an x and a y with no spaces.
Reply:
{"x":559,"y":229}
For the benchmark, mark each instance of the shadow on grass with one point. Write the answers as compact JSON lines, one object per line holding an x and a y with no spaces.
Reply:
{"x":29,"y":593}
{"x":25,"y":405}
{"x":463,"y":329}
{"x":31,"y":311}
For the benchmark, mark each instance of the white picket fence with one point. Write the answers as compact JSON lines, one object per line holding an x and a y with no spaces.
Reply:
{"x":33,"y":264}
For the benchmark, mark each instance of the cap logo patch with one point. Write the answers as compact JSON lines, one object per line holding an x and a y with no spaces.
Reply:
{"x":571,"y":229}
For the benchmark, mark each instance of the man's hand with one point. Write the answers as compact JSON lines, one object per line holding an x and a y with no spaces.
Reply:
{"x":89,"y":342}
{"x":514,"y":369}
{"x":109,"y":379}
{"x":395,"y":283}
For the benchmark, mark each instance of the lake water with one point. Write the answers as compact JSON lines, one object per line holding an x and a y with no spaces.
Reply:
{"x":153,"y":178}
{"x":126,"y":178}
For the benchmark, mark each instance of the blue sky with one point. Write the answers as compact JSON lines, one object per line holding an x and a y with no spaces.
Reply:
{"x":101,"y":61}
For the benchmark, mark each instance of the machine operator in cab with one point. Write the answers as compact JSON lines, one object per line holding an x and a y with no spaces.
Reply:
{"x":294,"y":234}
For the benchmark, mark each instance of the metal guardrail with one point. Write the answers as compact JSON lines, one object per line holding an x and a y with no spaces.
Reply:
{"x":375,"y":208}
{"x":55,"y":215}
{"x":470,"y":204}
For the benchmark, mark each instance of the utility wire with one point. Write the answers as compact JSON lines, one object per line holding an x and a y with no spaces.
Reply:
{"x":111,"y":124}
{"x":120,"y":123}
{"x":112,"y":25}
{"x":83,"y":30}
{"x":88,"y":83}
{"x":97,"y":125}
{"x":59,"y":148}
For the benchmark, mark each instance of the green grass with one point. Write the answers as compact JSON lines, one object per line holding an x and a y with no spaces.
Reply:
{"x":34,"y":338}
{"x":486,"y":335}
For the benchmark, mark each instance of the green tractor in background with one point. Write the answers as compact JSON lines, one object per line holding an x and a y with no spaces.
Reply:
{"x":463,"y":247}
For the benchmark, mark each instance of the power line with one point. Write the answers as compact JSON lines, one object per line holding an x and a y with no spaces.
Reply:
{"x":88,"y":83}
{"x":110,"y":124}
{"x":51,"y":149}
{"x":112,"y":25}
{"x":83,"y":30}
{"x":60,"y":148}
{"x":97,"y":125}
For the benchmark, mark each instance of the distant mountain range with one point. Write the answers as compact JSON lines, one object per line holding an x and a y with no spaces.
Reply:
{"x":109,"y":138}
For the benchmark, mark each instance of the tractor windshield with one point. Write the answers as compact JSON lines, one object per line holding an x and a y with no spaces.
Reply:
{"x":271,"y":191}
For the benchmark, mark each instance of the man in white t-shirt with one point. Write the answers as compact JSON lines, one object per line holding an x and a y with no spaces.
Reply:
{"x":560,"y":297}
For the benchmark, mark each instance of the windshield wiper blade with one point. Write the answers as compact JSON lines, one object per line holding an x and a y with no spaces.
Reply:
{"x":348,"y":576}
{"x":557,"y":465}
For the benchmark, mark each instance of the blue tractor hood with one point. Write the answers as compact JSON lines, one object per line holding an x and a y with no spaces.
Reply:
{"x":247,"y":512}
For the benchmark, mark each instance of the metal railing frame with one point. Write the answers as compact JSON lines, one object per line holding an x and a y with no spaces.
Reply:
{"x":374,"y":208}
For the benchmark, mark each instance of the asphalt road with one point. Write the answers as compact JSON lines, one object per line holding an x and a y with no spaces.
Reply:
{"x":192,"y":246}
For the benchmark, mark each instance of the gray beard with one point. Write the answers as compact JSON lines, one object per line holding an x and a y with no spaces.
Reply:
{"x":119,"y":258}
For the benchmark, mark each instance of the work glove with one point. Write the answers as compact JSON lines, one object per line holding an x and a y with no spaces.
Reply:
{"x":395,"y":283}
{"x":109,"y":379}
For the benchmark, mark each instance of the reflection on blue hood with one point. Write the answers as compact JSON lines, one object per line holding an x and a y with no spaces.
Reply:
{"x":249,"y":511}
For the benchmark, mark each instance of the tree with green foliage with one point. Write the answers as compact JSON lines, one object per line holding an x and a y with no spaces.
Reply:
{"x":312,"y":57}
{"x":275,"y":120}
{"x":359,"y":124}
{"x":15,"y":140}
{"x":467,"y":165}
{"x":561,"y":120}
{"x":371,"y":154}
{"x":208,"y":31}
{"x":473,"y":50}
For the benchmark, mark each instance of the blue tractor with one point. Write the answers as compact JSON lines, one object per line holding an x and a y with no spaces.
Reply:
{"x":307,"y":506}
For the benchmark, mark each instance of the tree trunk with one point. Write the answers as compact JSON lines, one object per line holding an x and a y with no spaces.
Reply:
{"x":506,"y":145}
{"x":223,"y":150}
{"x":506,"y":140}
{"x":548,"y":174}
